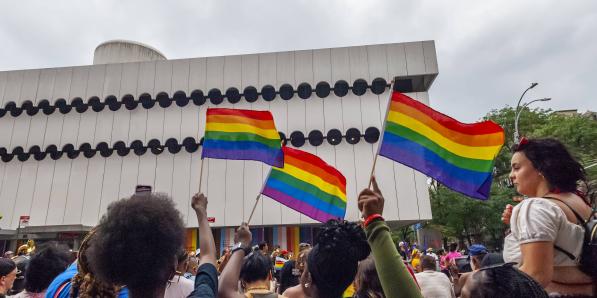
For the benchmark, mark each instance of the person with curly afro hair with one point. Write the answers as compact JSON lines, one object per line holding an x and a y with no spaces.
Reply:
{"x":502,"y":281}
{"x":136,"y":244}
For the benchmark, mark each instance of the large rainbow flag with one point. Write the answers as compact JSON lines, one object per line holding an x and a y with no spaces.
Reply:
{"x":459,"y":155}
{"x":242,"y":135}
{"x":308,"y":185}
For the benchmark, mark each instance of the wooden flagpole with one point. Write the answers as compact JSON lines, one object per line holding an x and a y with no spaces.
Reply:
{"x":381,"y":133}
{"x":201,"y":174}
{"x":258,"y":197}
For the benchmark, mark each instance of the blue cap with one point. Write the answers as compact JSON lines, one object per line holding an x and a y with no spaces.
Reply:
{"x":477,"y":249}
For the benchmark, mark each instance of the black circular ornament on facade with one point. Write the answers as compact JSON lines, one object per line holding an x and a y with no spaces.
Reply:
{"x":79,"y":105}
{"x":16,"y":112}
{"x":2,"y":113}
{"x":268,"y":92}
{"x":172,"y":145}
{"x":304,"y":90}
{"x":322,"y":89}
{"x":62,"y":106}
{"x":334,"y":136}
{"x":113,"y":103}
{"x":96,"y":104}
{"x":53,"y":151}
{"x":121,"y":148}
{"x":181,"y":99}
{"x":233,"y":95}
{"x":250,"y":94}
{"x":198,"y":97}
{"x":37,"y":153}
{"x":215,"y":96}
{"x":378,"y":86}
{"x":297,"y":139}
{"x":371,"y":135}
{"x":353,"y":136}
{"x":6,"y":157}
{"x":104,"y":149}
{"x":44,"y":105}
{"x":190,"y":145}
{"x":286,"y":92}
{"x":155,"y":146}
{"x":138,"y":148}
{"x":163,"y":100}
{"x":29,"y":108}
{"x":146,"y":101}
{"x":129,"y":102}
{"x":341,"y":88}
{"x":11,"y":105}
{"x":359,"y":87}
{"x":86,"y":149}
{"x":315,"y":138}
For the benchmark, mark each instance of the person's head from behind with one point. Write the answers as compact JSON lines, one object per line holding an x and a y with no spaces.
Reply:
{"x":263,"y":247}
{"x":48,"y":260}
{"x":342,"y":244}
{"x":8,"y":274}
{"x":8,"y":254}
{"x":182,"y":259}
{"x":453,"y":247}
{"x":256,"y":270}
{"x":544,"y":165}
{"x":501,"y":281}
{"x":477,"y":252}
{"x":441,"y":252}
{"x":427,"y":263}
{"x":137,"y":243}
{"x":367,"y":284}
{"x":193,"y":265}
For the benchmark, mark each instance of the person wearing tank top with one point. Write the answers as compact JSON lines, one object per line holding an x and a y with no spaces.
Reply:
{"x":545,"y":233}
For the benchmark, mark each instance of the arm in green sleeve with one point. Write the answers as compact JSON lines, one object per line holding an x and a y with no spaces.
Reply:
{"x":395,"y":279}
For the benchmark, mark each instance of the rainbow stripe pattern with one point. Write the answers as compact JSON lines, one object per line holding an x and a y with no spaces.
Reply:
{"x":308,"y":185}
{"x":459,"y":155}
{"x":242,"y":135}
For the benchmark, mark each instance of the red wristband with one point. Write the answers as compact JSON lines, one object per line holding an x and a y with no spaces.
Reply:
{"x":371,"y":218}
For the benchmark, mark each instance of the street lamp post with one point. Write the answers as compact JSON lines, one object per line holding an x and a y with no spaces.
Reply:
{"x":516,"y":135}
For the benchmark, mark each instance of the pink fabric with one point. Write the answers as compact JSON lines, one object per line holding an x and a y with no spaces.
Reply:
{"x":452,"y":255}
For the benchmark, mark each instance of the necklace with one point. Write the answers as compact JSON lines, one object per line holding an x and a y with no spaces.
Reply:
{"x":258,"y":288}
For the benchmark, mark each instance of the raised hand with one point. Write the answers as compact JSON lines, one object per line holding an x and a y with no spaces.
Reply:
{"x":199,"y":203}
{"x":371,"y":201}
{"x":507,"y":214}
{"x":243,"y":235}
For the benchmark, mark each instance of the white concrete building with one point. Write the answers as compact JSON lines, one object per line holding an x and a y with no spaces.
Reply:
{"x":75,"y":139}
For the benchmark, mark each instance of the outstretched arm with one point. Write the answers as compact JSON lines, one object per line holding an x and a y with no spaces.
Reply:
{"x":393,"y":275}
{"x":206,"y":238}
{"x":231,"y":274}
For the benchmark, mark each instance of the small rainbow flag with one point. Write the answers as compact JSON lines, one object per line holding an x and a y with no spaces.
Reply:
{"x":459,"y":155}
{"x":242,"y":135}
{"x":279,"y":263}
{"x":308,"y":185}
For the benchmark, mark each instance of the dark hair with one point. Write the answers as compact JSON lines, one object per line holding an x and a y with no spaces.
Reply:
{"x":137,"y":242}
{"x":262,"y":245}
{"x":368,"y":283}
{"x":504,"y":281}
{"x":340,"y":243}
{"x":49,"y":260}
{"x":453,"y":247}
{"x":554,"y":162}
{"x":428,"y":262}
{"x":256,"y":266}
{"x":440,"y":251}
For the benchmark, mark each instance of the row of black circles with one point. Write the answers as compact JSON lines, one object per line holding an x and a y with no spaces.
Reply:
{"x":215,"y":96}
{"x":190,"y":144}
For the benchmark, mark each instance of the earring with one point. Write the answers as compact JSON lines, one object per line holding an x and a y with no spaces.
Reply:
{"x":307,"y":285}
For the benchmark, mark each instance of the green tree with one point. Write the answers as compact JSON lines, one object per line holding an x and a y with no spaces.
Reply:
{"x":463,"y":218}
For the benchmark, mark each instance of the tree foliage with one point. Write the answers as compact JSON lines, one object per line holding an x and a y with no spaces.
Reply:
{"x":463,"y":218}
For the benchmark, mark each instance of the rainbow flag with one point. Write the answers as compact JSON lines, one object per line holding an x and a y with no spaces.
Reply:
{"x":308,"y":185}
{"x":242,"y":135}
{"x":458,"y":155}
{"x":279,"y":263}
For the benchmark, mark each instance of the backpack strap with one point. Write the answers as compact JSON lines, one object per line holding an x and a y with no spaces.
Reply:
{"x":578,"y":216}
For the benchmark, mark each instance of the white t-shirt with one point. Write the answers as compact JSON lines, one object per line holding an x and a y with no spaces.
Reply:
{"x":540,"y":219}
{"x":434,"y":284}
{"x":179,"y":287}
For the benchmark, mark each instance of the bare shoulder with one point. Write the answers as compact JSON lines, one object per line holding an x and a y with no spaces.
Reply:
{"x":294,"y":292}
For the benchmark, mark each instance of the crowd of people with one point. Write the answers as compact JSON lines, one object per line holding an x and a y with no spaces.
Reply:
{"x":136,"y":250}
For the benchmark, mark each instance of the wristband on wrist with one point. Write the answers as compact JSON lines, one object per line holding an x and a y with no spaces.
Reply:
{"x":238,"y":246}
{"x":371,"y":218}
